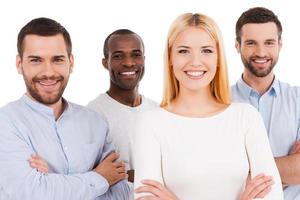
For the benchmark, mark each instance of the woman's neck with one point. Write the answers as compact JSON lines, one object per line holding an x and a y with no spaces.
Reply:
{"x":200,"y":103}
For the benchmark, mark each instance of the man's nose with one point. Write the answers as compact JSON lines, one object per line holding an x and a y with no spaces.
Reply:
{"x":128,"y":61}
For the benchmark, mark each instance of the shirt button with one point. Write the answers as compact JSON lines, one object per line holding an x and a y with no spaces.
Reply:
{"x":92,"y":185}
{"x":66,"y":148}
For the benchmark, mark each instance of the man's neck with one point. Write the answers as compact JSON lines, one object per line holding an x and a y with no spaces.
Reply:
{"x":260,"y":84}
{"x":58,"y":107}
{"x":127,"y":97}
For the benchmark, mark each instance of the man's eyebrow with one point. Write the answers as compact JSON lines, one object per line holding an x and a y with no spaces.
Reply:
{"x":271,"y":40}
{"x":137,"y":50}
{"x":117,"y":52}
{"x":33,"y":56}
{"x":249,"y":40}
{"x":59,"y":56}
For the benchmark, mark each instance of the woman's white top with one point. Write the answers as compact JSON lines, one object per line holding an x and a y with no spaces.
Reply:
{"x":204,"y":158}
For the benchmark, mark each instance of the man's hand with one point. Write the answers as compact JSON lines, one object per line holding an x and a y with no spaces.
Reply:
{"x":258,"y":187}
{"x":158,"y":191}
{"x":295,"y":148}
{"x":38,"y":163}
{"x":111,"y":169}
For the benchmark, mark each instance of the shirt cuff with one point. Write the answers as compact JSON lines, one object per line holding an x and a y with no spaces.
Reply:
{"x":97,"y":183}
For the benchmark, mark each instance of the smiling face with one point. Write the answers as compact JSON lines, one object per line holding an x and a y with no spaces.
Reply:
{"x":45,"y":67}
{"x":259,"y":48}
{"x":125,"y":61}
{"x":194,"y":59}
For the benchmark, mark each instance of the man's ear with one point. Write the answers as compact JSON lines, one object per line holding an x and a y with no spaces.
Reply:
{"x":19,"y":64}
{"x":237,"y":46}
{"x":105,"y":63}
{"x":71,"y":58}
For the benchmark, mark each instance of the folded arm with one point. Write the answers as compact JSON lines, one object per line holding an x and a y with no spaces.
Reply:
{"x":20,"y":181}
{"x":259,"y":153}
{"x":289,"y":166}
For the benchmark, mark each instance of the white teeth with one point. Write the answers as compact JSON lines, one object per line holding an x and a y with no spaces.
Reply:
{"x":128,"y":73}
{"x":48,"y":83}
{"x":260,"y":61}
{"x":195,"y":73}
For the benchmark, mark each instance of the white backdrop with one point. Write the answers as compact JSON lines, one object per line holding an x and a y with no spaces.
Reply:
{"x":89,"y":22}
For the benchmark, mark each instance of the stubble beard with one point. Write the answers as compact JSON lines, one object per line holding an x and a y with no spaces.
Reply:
{"x":43,"y":99}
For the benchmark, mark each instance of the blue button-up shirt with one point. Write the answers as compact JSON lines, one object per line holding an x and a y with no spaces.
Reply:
{"x":280,"y":109}
{"x":72,"y":146}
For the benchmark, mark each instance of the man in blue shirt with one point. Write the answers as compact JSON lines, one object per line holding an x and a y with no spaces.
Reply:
{"x":72,"y":139}
{"x":258,"y":40}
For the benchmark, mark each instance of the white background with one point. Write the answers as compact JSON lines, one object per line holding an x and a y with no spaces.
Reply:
{"x":89,"y":22}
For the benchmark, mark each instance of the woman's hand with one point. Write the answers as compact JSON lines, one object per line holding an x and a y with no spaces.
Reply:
{"x":38,"y":163}
{"x":158,"y":191}
{"x":258,"y":187}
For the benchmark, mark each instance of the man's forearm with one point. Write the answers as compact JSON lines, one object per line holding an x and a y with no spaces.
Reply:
{"x":56,"y":186}
{"x":289,"y":168}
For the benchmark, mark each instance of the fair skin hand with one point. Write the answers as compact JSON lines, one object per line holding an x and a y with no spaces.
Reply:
{"x":159,"y":191}
{"x":111,"y":169}
{"x":38,"y":163}
{"x":258,"y":187}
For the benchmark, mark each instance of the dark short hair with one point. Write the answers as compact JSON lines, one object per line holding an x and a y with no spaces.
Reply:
{"x":118,"y":32}
{"x":256,"y":15}
{"x":43,"y":27}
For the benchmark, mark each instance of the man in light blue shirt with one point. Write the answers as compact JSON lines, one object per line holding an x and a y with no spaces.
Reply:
{"x":72,"y":139}
{"x":258,"y":40}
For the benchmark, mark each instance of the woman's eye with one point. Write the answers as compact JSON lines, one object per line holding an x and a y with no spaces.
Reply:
{"x":183,"y":51}
{"x":207,"y":51}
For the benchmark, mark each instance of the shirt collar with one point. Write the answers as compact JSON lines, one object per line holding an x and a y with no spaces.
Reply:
{"x":275,"y":87}
{"x":111,"y":99}
{"x":246,"y":90}
{"x":43,"y":108}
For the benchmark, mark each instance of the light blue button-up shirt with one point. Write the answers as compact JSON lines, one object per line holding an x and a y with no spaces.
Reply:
{"x":280,"y":109}
{"x":72,"y":146}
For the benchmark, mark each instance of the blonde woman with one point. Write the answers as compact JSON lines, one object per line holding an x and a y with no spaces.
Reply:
{"x":199,"y":145}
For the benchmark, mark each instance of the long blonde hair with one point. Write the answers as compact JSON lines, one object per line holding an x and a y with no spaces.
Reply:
{"x":219,"y":85}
